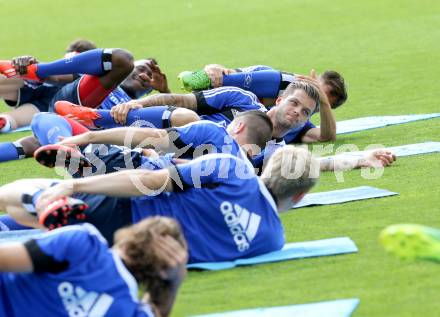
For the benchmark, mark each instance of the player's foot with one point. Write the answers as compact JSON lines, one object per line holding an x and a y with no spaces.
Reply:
{"x":8,"y":70}
{"x":191,"y":81}
{"x":83,"y":115}
{"x":53,"y":155}
{"x":63,"y":212}
{"x":409,"y":241}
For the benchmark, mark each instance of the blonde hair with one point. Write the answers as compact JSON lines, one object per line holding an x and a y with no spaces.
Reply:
{"x":136,"y":242}
{"x":309,"y":89}
{"x":290,"y":171}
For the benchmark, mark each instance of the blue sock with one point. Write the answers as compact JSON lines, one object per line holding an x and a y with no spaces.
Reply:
{"x":7,"y":223}
{"x":93,"y":62}
{"x":263,"y":83}
{"x":10,"y":151}
{"x":29,"y":200}
{"x":48,"y":127}
{"x":151,"y":117}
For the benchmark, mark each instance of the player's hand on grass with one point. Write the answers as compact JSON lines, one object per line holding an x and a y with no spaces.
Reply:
{"x":377,"y":158}
{"x":157,"y":79}
{"x":120,"y":112}
{"x":62,"y":189}
{"x":313,"y":80}
{"x":22,"y":62}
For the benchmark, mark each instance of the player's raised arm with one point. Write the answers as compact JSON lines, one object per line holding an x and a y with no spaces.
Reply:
{"x":158,"y":139}
{"x":187,"y":101}
{"x":140,"y":182}
{"x":327,"y":130}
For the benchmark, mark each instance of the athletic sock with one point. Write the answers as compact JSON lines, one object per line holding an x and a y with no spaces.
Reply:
{"x":48,"y":127}
{"x":94,"y":62}
{"x":29,"y":200}
{"x":150,"y":117}
{"x":7,"y":223}
{"x":263,"y":83}
{"x":11,"y":151}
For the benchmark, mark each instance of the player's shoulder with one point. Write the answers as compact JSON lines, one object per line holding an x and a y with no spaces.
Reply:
{"x":79,"y":232}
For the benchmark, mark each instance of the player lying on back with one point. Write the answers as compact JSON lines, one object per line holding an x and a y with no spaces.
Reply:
{"x":88,"y":90}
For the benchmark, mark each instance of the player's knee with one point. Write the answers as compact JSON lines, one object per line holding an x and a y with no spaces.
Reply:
{"x":36,"y":121}
{"x":183,"y":116}
{"x":122,"y":61}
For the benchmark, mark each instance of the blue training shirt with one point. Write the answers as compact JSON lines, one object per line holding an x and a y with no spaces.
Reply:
{"x":221,"y":104}
{"x":203,"y":137}
{"x":75,"y":274}
{"x":224,"y":209}
{"x":117,"y":96}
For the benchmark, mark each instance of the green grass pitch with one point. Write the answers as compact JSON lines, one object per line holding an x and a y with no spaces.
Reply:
{"x":387,"y":51}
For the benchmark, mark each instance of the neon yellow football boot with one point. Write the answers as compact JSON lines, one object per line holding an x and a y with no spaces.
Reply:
{"x":409,"y":241}
{"x":191,"y":81}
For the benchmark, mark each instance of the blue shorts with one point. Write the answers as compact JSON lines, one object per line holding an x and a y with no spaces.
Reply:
{"x":40,"y":96}
{"x":68,"y":92}
{"x":107,"y":214}
{"x":106,"y":159}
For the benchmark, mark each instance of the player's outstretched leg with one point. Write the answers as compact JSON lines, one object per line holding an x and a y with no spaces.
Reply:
{"x":159,"y":117}
{"x":20,"y":149}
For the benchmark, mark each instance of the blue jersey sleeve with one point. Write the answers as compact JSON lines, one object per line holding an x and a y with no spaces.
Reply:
{"x":198,"y":137}
{"x":295,"y":135}
{"x":207,"y":171}
{"x":66,"y":246}
{"x":254,"y":68}
{"x":224,"y":98}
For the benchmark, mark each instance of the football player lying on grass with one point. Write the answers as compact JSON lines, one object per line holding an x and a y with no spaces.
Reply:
{"x":29,"y":97}
{"x":226,"y":211}
{"x":268,"y":85}
{"x":109,"y":77}
{"x":290,"y":115}
{"x":72,"y":272}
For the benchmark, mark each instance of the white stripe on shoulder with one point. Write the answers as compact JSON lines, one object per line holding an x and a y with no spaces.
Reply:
{"x":226,"y":89}
{"x":267,"y":195}
{"x":201,"y":122}
{"x":126,"y":276}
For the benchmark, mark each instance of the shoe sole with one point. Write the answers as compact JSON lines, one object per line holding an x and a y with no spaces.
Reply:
{"x":63,"y":215}
{"x":411,"y":242}
{"x":48,"y":158}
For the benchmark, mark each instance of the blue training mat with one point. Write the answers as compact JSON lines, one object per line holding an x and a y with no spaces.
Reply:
{"x":26,"y":128}
{"x":290,"y":251}
{"x":342,"y":196}
{"x":19,"y":235}
{"x":407,"y":150}
{"x":336,"y":308}
{"x":367,"y":123}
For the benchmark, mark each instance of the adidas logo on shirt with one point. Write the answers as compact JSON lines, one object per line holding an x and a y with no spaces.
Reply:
{"x":80,"y":303}
{"x":242,"y":224}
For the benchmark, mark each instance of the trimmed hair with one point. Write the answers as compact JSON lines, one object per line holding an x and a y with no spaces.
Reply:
{"x":259,"y":127}
{"x":290,"y":171}
{"x":338,"y":89}
{"x":80,"y":46}
{"x":137,"y":243}
{"x":309,"y":89}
